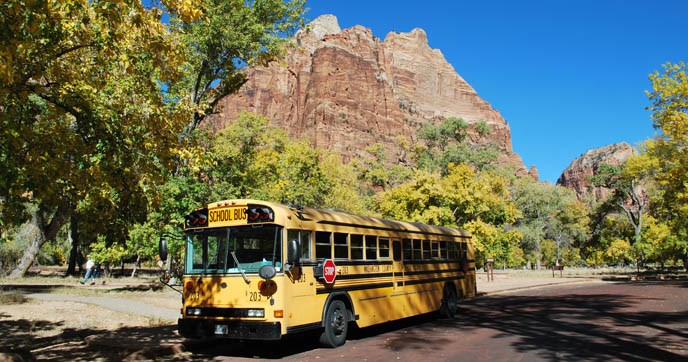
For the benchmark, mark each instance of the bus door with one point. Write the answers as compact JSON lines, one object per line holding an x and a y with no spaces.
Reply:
{"x":397,"y":264}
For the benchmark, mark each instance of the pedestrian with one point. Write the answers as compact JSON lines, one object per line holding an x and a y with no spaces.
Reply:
{"x":90,"y":271}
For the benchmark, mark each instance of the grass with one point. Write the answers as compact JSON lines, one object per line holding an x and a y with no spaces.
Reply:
{"x":11,"y":297}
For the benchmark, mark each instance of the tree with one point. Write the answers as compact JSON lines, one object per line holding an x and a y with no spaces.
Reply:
{"x":96,"y":96}
{"x":550,"y":212}
{"x":448,"y":143}
{"x":463,"y":198}
{"x":627,"y":194}
{"x":220,"y":37}
{"x":376,"y":170}
{"x":83,"y":123}
{"x":669,"y":97}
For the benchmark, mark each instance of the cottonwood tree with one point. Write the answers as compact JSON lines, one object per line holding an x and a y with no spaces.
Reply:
{"x":478,"y":201}
{"x":549,"y":212}
{"x":669,"y":97}
{"x":82,"y":119}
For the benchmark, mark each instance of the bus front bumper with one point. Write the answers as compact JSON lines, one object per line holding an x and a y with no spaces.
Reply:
{"x":201,"y":328}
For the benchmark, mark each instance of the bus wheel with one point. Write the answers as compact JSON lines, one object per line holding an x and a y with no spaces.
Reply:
{"x":336,"y":325}
{"x":450,"y":302}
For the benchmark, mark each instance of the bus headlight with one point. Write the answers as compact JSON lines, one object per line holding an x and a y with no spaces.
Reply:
{"x":256,"y":313}
{"x":193,"y":311}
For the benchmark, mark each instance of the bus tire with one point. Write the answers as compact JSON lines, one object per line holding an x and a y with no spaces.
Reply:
{"x":450,"y":302}
{"x":336,"y":325}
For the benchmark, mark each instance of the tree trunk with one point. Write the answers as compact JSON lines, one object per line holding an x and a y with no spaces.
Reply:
{"x":74,"y":235}
{"x":40,"y":233}
{"x":136,"y":265}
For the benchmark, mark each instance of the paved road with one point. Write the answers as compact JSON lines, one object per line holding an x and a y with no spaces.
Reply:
{"x":624,"y":321}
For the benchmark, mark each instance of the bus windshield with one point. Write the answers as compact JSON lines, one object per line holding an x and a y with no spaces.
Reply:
{"x":209,"y":251}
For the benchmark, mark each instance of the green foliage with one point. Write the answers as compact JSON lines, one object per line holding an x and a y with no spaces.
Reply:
{"x":619,"y":251}
{"x":108,"y":254}
{"x":219,"y":38}
{"x":448,"y":143}
{"x":463,"y":198}
{"x":83,"y":121}
{"x":549,"y":212}
{"x":376,"y":170}
{"x":669,"y":151}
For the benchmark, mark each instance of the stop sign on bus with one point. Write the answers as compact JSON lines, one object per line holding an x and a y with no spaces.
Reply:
{"x":329,"y":271}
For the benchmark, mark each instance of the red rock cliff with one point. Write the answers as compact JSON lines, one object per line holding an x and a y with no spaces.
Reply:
{"x":346,"y":89}
{"x":576,"y":176}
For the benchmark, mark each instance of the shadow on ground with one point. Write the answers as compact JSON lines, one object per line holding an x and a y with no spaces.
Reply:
{"x":632,"y":323}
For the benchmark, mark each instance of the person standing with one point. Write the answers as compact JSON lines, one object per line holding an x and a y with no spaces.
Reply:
{"x":90,"y":271}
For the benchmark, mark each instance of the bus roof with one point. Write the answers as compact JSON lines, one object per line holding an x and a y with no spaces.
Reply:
{"x":335,"y":217}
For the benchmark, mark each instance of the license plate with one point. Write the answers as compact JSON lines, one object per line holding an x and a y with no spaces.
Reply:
{"x":221,"y":329}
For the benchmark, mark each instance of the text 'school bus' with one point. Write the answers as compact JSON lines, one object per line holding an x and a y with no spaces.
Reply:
{"x":261,"y":270}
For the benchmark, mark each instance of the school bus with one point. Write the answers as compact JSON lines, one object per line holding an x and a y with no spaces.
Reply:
{"x":262,"y":270}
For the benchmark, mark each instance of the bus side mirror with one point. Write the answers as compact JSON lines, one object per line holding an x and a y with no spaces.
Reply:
{"x":162,"y":248}
{"x":294,"y":252}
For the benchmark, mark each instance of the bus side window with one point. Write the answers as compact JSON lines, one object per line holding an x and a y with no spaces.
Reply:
{"x":416,"y":250}
{"x":356,"y":246}
{"x":384,"y":248}
{"x":396,"y":250}
{"x":408,"y":249}
{"x":453,"y":251}
{"x":435,"y":249}
{"x":426,"y":250}
{"x":323,"y":245}
{"x":371,"y":247}
{"x":443,"y":249}
{"x":341,"y":246}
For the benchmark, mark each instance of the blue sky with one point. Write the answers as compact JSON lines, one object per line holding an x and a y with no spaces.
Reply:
{"x":567,"y":76}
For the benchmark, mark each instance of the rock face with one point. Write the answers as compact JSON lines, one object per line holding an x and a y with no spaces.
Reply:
{"x":576,"y":176}
{"x":346,"y":89}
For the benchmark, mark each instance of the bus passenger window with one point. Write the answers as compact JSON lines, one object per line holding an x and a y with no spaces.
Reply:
{"x":426,"y":250}
{"x":396,"y":250}
{"x":370,"y":247}
{"x":435,"y":249}
{"x":384,"y":248}
{"x":416,"y":249}
{"x":453,"y":251}
{"x":356,"y":247}
{"x":408,"y":249}
{"x":323,"y":245}
{"x":443,"y":249}
{"x":341,"y":246}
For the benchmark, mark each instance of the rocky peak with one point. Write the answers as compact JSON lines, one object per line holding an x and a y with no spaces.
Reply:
{"x":576,"y":176}
{"x":323,"y":25}
{"x":346,"y":89}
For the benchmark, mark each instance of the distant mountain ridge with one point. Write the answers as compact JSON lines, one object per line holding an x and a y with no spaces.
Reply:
{"x":346,"y":89}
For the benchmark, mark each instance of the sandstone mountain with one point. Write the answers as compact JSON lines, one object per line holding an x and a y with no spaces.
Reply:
{"x":346,"y":89}
{"x":576,"y":176}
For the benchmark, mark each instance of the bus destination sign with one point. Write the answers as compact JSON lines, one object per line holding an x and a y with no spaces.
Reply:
{"x":227,"y":216}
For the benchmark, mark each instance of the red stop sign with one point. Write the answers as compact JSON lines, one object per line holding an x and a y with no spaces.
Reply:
{"x":329,"y":271}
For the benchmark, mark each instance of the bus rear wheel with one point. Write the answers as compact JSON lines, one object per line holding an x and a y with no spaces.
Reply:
{"x":450,"y":302}
{"x":336,"y":325}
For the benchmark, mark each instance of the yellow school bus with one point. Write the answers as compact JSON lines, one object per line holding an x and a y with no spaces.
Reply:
{"x":261,"y":270}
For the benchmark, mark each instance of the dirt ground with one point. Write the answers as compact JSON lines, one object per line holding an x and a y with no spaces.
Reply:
{"x":61,"y":329}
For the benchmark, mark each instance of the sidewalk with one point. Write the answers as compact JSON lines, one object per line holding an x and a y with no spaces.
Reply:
{"x":509,"y":281}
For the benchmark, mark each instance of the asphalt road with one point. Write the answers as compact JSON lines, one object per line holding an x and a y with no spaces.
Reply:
{"x":621,"y":321}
